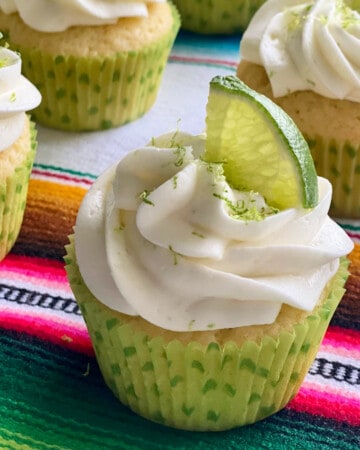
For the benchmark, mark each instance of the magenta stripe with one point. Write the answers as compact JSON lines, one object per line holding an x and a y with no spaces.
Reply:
{"x":338,"y":337}
{"x":62,"y":177}
{"x":327,"y":405}
{"x":70,"y":335}
{"x":41,"y":269}
{"x":208,"y":61}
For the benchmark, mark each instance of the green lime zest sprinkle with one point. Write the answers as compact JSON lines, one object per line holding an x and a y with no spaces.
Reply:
{"x":199,"y":235}
{"x":238,"y":210}
{"x":13,"y":97}
{"x":216,"y":168}
{"x":4,"y":62}
{"x":175,"y":180}
{"x":174,"y":136}
{"x":179,"y":152}
{"x":121,"y":227}
{"x":175,"y":255}
{"x":144,"y":196}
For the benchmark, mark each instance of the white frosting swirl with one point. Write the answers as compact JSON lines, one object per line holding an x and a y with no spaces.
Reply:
{"x":17,"y":95}
{"x":162,"y":235}
{"x":58,"y":15}
{"x":307,"y":45}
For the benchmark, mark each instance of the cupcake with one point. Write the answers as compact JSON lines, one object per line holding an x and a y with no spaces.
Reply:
{"x":17,"y":145}
{"x":216,"y":16}
{"x":304,"y":55}
{"x":205,"y":305}
{"x":98,"y":64}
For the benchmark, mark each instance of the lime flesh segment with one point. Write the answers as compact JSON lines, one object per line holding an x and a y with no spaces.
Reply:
{"x":259,"y":144}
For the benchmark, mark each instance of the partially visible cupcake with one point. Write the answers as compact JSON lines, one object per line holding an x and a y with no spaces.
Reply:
{"x":216,"y":16}
{"x":305,"y":56}
{"x":97,"y":64}
{"x":17,"y":146}
{"x":205,"y":306}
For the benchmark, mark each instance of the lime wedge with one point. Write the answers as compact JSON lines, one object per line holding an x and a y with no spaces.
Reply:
{"x":259,"y":145}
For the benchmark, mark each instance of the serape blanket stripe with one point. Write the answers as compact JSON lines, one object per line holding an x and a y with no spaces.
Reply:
{"x":52,"y":395}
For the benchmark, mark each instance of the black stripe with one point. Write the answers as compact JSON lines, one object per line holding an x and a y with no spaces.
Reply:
{"x":23,"y":296}
{"x":337,"y":371}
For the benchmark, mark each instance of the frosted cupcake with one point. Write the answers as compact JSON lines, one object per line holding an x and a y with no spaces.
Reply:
{"x":217,"y":16}
{"x":205,"y":305}
{"x":304,"y":55}
{"x":17,"y":146}
{"x":97,"y":64}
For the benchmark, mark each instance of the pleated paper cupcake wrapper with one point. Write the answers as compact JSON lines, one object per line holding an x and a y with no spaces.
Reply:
{"x":83,"y":94}
{"x":340,"y":163}
{"x":217,"y":16}
{"x":13,"y":194}
{"x":197,"y":387}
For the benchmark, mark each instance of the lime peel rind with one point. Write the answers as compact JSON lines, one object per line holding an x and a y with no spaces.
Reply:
{"x":259,"y":144}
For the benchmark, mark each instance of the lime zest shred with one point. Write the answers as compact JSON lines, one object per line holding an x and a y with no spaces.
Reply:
{"x":179,"y":152}
{"x":239,"y":211}
{"x":121,"y":227}
{"x":216,"y":168}
{"x":349,"y":16}
{"x":4,"y":62}
{"x":175,"y":255}
{"x":197,"y":234}
{"x":144,"y":196}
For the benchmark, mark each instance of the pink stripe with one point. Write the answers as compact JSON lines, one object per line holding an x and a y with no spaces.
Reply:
{"x":35,"y":272}
{"x":61,"y":177}
{"x":15,"y":261}
{"x":342,"y":338}
{"x":355,"y":236}
{"x":204,"y":60}
{"x":337,"y":389}
{"x":69,"y":336}
{"x":39,"y":268}
{"x":327,"y":405}
{"x":340,"y":352}
{"x":352,"y":356}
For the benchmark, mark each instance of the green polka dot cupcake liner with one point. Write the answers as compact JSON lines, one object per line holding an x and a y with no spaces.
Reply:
{"x":13,"y":194}
{"x":201,"y":387}
{"x":339,"y":163}
{"x":216,"y":16}
{"x":85,"y":94}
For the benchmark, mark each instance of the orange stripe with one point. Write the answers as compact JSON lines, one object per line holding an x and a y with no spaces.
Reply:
{"x":49,"y":217}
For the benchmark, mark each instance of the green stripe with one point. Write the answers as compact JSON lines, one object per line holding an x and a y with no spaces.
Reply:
{"x":67,"y":171}
{"x":350,"y":226}
{"x":47,"y":402}
{"x":17,"y":441}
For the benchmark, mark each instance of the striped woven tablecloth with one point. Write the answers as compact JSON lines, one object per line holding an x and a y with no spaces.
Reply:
{"x":51,"y":392}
